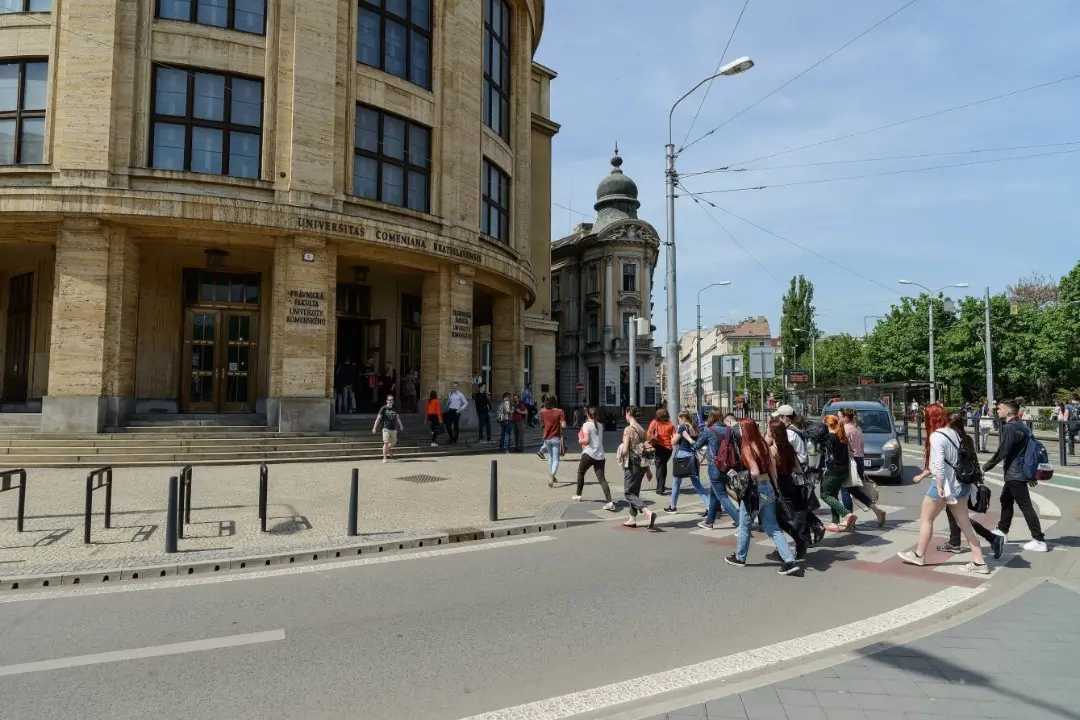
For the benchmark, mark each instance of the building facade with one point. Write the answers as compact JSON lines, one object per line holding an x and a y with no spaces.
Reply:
{"x":601,"y":277}
{"x":208,"y":206}
{"x":717,"y":341}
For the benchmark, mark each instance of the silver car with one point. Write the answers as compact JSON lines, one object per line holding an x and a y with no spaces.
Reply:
{"x":883,"y":457}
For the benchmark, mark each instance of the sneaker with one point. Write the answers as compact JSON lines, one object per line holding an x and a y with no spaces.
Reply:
{"x":911,"y":558}
{"x":1036,"y":546}
{"x":704,"y":526}
{"x":670,"y":510}
{"x":434,"y":444}
{"x":998,"y":546}
{"x":950,"y":548}
{"x":540,"y":454}
{"x":972,"y":567}
{"x":1000,"y":534}
{"x":774,"y":556}
{"x":733,"y":559}
{"x":576,"y":498}
{"x":788,"y":568}
{"x":610,"y":507}
{"x":385,"y":461}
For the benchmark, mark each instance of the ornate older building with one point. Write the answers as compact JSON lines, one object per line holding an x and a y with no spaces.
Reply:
{"x":601,"y":277}
{"x":208,"y":206}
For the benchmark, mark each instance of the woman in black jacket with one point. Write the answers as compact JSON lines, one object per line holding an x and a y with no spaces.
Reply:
{"x":837,"y":468}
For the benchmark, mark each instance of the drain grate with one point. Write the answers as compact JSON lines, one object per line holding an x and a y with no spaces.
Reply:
{"x":421,"y":479}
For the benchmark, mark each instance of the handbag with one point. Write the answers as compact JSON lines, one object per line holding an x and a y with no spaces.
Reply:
{"x":871,"y":489}
{"x":812,"y":501}
{"x":853,"y":479}
{"x":979,"y":501}
{"x":684,"y":466}
{"x":752,"y":497}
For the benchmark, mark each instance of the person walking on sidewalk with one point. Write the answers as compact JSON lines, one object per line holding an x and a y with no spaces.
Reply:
{"x":722,"y":451}
{"x":660,"y":434}
{"x":837,"y":469}
{"x":997,"y":542}
{"x":857,"y":448}
{"x":506,"y":428}
{"x":553,"y":421}
{"x":455,"y":405}
{"x":943,"y":453}
{"x":685,"y":457}
{"x":433,"y":415}
{"x":759,"y":498}
{"x":389,"y":421}
{"x":482,"y":402}
{"x":631,"y":455}
{"x":1013,"y":438}
{"x":591,"y":438}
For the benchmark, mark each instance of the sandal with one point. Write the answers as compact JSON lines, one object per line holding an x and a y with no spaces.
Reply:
{"x":849,"y":522}
{"x":652,"y":519}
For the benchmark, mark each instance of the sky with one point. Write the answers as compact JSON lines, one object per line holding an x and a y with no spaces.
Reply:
{"x":622,"y":63}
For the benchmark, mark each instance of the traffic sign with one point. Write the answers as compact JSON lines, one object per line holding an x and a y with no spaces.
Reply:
{"x":762,"y":362}
{"x":797,"y":376}
{"x":580,"y":387}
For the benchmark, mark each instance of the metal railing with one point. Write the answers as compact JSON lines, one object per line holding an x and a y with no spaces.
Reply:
{"x":5,"y":485}
{"x":95,"y":480}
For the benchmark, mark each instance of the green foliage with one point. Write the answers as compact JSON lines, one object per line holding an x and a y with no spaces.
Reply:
{"x":797,"y":320}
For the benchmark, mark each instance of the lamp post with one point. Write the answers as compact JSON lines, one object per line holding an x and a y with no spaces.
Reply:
{"x":933,"y":294}
{"x":732,"y":68}
{"x":813,"y":354}
{"x":866,"y":332}
{"x":699,"y":394}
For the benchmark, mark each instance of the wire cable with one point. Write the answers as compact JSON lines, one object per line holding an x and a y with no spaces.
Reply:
{"x":570,"y":209}
{"x":719,"y":65}
{"x":733,"y":238}
{"x":888,"y":126}
{"x":884,"y":174}
{"x":763,"y":99}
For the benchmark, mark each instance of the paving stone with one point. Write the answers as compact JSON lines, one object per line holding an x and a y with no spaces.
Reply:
{"x":694,"y":711}
{"x":726,"y":707}
{"x":845,"y":714}
{"x":885,"y":715}
{"x":789,"y":697}
{"x":766,"y":712}
{"x":836,"y":700}
{"x":805,"y":712}
{"x":902,"y":688}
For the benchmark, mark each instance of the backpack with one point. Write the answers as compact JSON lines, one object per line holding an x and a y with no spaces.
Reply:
{"x":501,"y":415}
{"x":966,"y":466}
{"x":814,"y":456}
{"x":1036,"y":462}
{"x":727,"y":457}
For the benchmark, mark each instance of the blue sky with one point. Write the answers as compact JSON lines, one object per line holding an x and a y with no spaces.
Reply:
{"x":622,"y":63}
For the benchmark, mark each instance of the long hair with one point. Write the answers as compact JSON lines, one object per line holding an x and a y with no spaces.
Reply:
{"x":959,"y":426}
{"x":754,"y":448}
{"x":935,"y":419}
{"x":687,"y":418}
{"x":836,"y":427}
{"x":798,"y":421}
{"x":786,"y":459}
{"x":715,"y":417}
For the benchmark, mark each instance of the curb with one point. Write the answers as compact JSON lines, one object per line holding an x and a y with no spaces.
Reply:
{"x":277,"y":558}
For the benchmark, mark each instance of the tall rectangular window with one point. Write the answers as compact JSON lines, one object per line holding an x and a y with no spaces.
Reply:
{"x":244,"y":15}
{"x":629,"y":277}
{"x":593,"y":329}
{"x":391,"y":159}
{"x":206,"y":122}
{"x":627,"y":317}
{"x":592,"y":279}
{"x":556,"y":286}
{"x":495,"y":205}
{"x":395,"y":36}
{"x":497,"y":67}
{"x":20,"y":6}
{"x":23,"y":97}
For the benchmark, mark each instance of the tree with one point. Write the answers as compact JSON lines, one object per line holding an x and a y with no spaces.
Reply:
{"x":840,"y":360}
{"x":1035,"y":289}
{"x":797,"y":320}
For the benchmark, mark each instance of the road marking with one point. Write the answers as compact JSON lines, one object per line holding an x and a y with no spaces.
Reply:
{"x":142,"y":653}
{"x":648,"y":686}
{"x":280,"y":572}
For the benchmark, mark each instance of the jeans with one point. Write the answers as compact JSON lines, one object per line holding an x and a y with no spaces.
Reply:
{"x":519,"y":431}
{"x":831,"y":484}
{"x":552,"y":447}
{"x":346,"y":400}
{"x":484,"y":419}
{"x":767,"y":513}
{"x":504,"y":435}
{"x":588,"y":461}
{"x":853,"y":492}
{"x":663,"y":455}
{"x":633,"y":474}
{"x":1016,"y":491}
{"x":677,"y":482}
{"x":452,"y":420}
{"x":718,"y":499}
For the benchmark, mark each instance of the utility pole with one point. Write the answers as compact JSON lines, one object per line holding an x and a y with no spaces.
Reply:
{"x":989,"y":356}
{"x":633,"y":360}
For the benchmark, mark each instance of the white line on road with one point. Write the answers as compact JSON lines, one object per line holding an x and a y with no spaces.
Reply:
{"x":648,"y":686}
{"x":142,"y":653}
{"x":280,"y":572}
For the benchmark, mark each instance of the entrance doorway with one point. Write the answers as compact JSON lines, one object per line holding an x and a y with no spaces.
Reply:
{"x":220,"y":351}
{"x":362,"y":340}
{"x":20,"y":315}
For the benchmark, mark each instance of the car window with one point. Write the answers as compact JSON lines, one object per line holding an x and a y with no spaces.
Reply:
{"x":874,"y":421}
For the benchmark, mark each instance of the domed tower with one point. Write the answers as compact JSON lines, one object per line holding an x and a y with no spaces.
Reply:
{"x":616,"y":197}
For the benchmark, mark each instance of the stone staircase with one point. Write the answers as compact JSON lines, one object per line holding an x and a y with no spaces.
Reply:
{"x":218,"y":440}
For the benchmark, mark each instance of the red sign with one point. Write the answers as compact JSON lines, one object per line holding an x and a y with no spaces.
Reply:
{"x":580,"y":387}
{"x":867,"y":380}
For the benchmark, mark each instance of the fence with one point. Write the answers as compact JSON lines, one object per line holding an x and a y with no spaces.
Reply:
{"x":5,"y":485}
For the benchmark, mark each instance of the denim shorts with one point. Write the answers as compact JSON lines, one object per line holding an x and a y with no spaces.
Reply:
{"x":962,"y":494}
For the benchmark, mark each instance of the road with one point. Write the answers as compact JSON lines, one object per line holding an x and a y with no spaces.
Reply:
{"x":446,"y":634}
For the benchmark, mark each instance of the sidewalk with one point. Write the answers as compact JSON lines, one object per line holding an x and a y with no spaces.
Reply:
{"x":1017,"y":661}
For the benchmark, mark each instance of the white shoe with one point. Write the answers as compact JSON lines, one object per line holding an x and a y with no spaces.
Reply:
{"x":610,"y":507}
{"x":576,"y":498}
{"x":909,"y":557}
{"x":983,"y":569}
{"x":1036,"y":546}
{"x":385,"y":461}
{"x":434,"y":444}
{"x":998,"y":532}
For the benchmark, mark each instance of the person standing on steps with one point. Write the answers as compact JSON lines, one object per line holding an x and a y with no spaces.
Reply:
{"x":482,"y":402}
{"x":660,"y":434}
{"x":631,"y":455}
{"x":390,"y":422}
{"x":506,"y":428}
{"x":518,"y":412}
{"x":434,"y":416}
{"x":1013,"y":438}
{"x":553,"y":421}
{"x":455,"y":405}
{"x":591,"y":439}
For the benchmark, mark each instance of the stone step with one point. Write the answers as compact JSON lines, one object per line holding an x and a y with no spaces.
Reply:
{"x":211,"y":443}
{"x":176,"y":449}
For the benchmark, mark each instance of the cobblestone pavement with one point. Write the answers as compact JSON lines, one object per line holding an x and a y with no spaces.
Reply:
{"x":1016,"y":662}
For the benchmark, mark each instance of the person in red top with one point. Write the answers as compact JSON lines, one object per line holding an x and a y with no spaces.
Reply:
{"x":660,"y":433}
{"x":553,"y":420}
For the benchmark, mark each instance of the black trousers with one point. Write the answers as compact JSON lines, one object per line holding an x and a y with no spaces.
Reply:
{"x":1016,"y":492}
{"x":797,"y":526}
{"x":663,"y":456}
{"x":452,"y":420}
{"x":588,"y":461}
{"x":954,"y":528}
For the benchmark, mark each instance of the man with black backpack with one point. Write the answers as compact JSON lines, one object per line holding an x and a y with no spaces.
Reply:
{"x":1013,"y":438}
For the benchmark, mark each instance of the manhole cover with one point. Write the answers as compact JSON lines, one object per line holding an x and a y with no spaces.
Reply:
{"x":422,"y":478}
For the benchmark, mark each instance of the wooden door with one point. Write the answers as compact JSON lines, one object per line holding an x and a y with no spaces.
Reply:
{"x":20,"y":315}
{"x":202,"y":361}
{"x":240,"y":350}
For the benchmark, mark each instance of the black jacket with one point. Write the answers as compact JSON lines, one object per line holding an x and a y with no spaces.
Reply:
{"x":1012,"y":439}
{"x":482,"y":403}
{"x":836,"y":456}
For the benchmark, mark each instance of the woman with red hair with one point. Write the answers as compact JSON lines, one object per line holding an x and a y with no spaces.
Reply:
{"x":759,"y":489}
{"x":837,"y":469}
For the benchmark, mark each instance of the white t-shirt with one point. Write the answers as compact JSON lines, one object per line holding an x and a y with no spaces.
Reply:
{"x":798,"y":445}
{"x":595,"y":448}
{"x":944,"y":454}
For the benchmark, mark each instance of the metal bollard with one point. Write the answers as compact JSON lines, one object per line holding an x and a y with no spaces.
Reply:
{"x":264,"y":491}
{"x":493,"y":492}
{"x":1062,"y":433}
{"x":354,"y":491}
{"x":907,"y":438}
{"x":108,"y":498}
{"x":171,"y":515}
{"x":918,"y":428}
{"x":89,"y":508}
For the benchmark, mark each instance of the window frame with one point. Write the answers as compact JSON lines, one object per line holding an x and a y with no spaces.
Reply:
{"x":496,"y":41}
{"x":231,"y":11}
{"x":592,"y":329}
{"x":489,"y":169}
{"x":189,"y":121}
{"x":26,"y":8}
{"x":592,"y":278}
{"x":19,"y":114}
{"x":633,"y":277}
{"x":381,"y":159}
{"x":379,"y":8}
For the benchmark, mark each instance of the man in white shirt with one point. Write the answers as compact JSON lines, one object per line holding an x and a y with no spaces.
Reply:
{"x":455,"y":404}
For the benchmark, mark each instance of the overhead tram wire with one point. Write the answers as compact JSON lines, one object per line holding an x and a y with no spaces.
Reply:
{"x":898,"y":123}
{"x":733,"y":238}
{"x":788,"y":241}
{"x":719,"y":65}
{"x":819,"y":62}
{"x":884,"y":174}
{"x":728,"y":168}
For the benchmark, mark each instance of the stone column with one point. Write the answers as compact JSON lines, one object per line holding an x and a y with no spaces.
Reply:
{"x":446,"y":330}
{"x":77,"y":355}
{"x":609,"y":303}
{"x":301,"y":335}
{"x":121,"y":329}
{"x":508,"y":347}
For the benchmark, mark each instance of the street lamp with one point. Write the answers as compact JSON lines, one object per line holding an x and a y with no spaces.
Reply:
{"x":933,"y":294}
{"x":813,"y":354}
{"x":732,"y":68}
{"x":866,"y":332}
{"x":698,"y":395}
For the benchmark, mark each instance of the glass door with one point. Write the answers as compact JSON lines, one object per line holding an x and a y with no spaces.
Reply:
{"x":202,"y":362}
{"x":238,"y":368}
